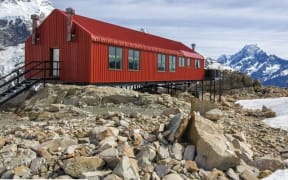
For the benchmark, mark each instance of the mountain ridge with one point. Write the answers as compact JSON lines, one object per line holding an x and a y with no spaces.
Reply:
{"x":271,"y":70}
{"x":15,"y":27}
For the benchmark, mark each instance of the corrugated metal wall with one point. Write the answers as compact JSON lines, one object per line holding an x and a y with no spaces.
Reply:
{"x":148,"y":68}
{"x":74,"y":56}
{"x":86,"y":61}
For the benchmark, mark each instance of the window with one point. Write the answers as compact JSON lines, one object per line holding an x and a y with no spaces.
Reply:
{"x":115,"y":57}
{"x":197,"y":64}
{"x":133,"y":59}
{"x":161,"y":62}
{"x":188,"y":62}
{"x":172,"y":63}
{"x":181,"y":62}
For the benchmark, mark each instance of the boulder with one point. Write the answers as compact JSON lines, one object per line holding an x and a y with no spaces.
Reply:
{"x":176,"y":127}
{"x":76,"y":166}
{"x":212,"y":147}
{"x":126,"y":170}
{"x":214,"y":114}
{"x":268,"y":163}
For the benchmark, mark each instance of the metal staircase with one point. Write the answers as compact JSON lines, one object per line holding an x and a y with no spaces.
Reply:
{"x":23,"y":78}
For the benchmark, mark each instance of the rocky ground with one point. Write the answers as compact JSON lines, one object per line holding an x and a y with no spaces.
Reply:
{"x":66,"y":131}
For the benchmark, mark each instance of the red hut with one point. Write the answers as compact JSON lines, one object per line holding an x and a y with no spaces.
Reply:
{"x":83,"y":50}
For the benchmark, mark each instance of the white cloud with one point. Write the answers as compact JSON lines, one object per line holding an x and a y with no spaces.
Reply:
{"x":216,"y":26}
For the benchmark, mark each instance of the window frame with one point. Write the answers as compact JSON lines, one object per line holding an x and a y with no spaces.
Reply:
{"x":188,"y":62}
{"x":117,"y":57}
{"x":161,"y":62}
{"x":181,"y":61}
{"x":197,"y":64}
{"x":172,"y":63}
{"x":134,"y":60}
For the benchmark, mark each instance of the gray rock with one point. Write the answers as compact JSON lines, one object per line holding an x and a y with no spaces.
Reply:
{"x":2,"y":142}
{"x":214,"y":114}
{"x":268,"y":162}
{"x":7,"y":175}
{"x":110,"y":156}
{"x":95,"y":175}
{"x":173,"y":177}
{"x":125,"y":169}
{"x":63,"y":177}
{"x":36,"y":165}
{"x":55,"y":145}
{"x":145,"y":165}
{"x":167,"y":112}
{"x":177,"y":151}
{"x":246,"y":152}
{"x":112,"y":177}
{"x":161,"y":170}
{"x":176,"y":127}
{"x":248,"y":175}
{"x":213,"y":149}
{"x":148,"y":152}
{"x":55,"y":108}
{"x":24,"y":156}
{"x":22,"y":172}
{"x":163,"y":152}
{"x":107,"y":143}
{"x":76,"y":166}
{"x":232,"y":174}
{"x":189,"y":153}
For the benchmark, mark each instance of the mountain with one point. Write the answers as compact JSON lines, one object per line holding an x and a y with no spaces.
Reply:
{"x":252,"y":60}
{"x":15,"y":27}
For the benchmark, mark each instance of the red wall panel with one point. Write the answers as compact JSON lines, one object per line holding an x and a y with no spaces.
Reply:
{"x":74,"y":56}
{"x":86,"y":61}
{"x":148,"y":68}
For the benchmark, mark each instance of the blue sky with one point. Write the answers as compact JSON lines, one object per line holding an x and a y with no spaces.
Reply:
{"x":216,"y":26}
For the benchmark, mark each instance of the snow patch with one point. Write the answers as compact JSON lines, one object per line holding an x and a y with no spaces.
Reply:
{"x":272,"y":69}
{"x":284,"y":73}
{"x":278,"y":105}
{"x":9,"y":57}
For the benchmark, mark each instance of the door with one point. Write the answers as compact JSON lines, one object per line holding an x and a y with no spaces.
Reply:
{"x":55,"y":56}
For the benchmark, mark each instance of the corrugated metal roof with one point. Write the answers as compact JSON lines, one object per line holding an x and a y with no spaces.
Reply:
{"x":113,"y":34}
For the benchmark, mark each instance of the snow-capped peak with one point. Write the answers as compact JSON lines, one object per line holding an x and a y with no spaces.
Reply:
{"x":24,"y":8}
{"x":252,"y":60}
{"x":15,"y":27}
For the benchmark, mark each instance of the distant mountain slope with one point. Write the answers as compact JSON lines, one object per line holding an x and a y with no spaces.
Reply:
{"x":251,"y":60}
{"x":15,"y":27}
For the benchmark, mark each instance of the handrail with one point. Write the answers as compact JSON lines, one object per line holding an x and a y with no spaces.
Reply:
{"x":24,"y":77}
{"x":18,"y":74}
